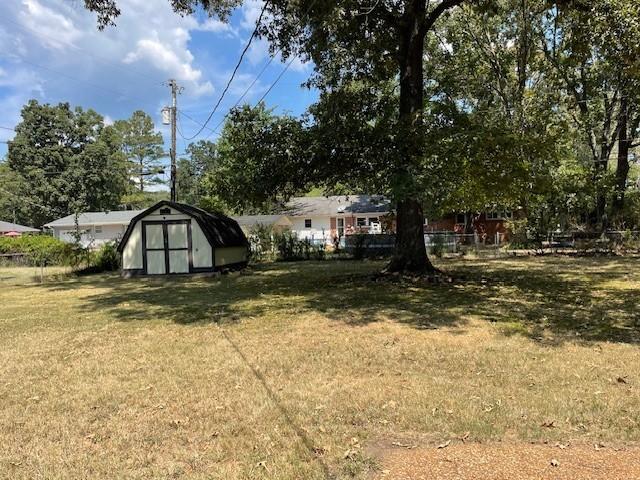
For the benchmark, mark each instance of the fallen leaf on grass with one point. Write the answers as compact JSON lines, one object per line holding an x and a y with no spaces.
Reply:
{"x":349,"y":454}
{"x":445,"y":444}
{"x":320,"y":451}
{"x":403,"y":445}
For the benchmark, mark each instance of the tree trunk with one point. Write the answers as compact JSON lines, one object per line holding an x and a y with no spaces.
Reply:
{"x":410,"y":252}
{"x":622,"y":170}
{"x":142,"y":175}
{"x":597,"y":218}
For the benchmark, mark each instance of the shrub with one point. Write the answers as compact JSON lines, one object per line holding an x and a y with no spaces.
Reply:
{"x":290,"y":247}
{"x":261,"y":238}
{"x":41,"y":249}
{"x":359,"y":246}
{"x":438,"y":246}
{"x":106,"y":259}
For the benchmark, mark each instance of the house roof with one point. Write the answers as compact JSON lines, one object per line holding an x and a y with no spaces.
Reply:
{"x":14,"y":227}
{"x":116,"y":217}
{"x":220,"y":230}
{"x":336,"y":205}
{"x":253,"y":220}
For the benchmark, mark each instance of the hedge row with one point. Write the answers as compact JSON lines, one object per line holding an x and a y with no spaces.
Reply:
{"x":40,"y":248}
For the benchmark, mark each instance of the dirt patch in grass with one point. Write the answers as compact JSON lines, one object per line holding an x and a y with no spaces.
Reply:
{"x":507,"y":461}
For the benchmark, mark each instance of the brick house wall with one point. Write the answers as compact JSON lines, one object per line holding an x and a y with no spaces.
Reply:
{"x":485,"y":228}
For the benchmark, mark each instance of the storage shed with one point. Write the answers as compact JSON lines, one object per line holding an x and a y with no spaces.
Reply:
{"x":175,"y":238}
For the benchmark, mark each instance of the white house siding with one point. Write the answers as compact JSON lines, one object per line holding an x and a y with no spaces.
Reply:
{"x":92,"y":235}
{"x":320,"y":231}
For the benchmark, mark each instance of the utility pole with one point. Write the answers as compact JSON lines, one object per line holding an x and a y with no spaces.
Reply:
{"x":174,"y":119}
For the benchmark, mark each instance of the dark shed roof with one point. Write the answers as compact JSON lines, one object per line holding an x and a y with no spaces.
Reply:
{"x":220,"y":230}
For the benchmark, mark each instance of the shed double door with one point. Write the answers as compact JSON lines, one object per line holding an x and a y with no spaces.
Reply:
{"x":167,"y":247}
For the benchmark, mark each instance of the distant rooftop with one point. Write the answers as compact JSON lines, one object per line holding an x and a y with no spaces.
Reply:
{"x":337,"y":205}
{"x":14,"y":227}
{"x":116,"y":217}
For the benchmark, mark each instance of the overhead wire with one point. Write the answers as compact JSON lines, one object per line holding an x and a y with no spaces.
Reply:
{"x":233,"y":74}
{"x":257,"y":77}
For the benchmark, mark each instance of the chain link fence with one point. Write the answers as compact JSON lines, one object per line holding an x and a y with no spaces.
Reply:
{"x":24,"y":269}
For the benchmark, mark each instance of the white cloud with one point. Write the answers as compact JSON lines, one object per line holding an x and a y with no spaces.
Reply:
{"x":56,"y":28}
{"x":174,"y":61}
{"x":250,"y":13}
{"x":217,"y":26}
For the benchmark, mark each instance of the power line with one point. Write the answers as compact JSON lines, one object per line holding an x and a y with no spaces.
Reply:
{"x":273,"y":84}
{"x":23,"y":198}
{"x":275,"y":54}
{"x":233,"y":74}
{"x":8,"y":128}
{"x":181,"y":112}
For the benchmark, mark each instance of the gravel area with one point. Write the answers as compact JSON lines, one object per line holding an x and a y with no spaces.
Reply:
{"x":509,"y":461}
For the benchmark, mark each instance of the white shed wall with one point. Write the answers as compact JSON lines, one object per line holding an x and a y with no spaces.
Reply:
{"x":132,"y":252}
{"x":202,"y":251}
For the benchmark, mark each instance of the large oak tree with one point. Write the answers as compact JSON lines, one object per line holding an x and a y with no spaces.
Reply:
{"x":349,"y":40}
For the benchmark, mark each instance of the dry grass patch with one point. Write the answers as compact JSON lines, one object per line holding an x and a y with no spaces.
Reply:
{"x":290,"y":370}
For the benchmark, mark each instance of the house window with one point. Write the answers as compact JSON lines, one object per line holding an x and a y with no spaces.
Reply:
{"x":98,"y":228}
{"x":340,"y":225}
{"x":307,"y":223}
{"x":501,"y":215}
{"x":460,"y":218}
{"x":361,"y":222}
{"x":373,"y":220}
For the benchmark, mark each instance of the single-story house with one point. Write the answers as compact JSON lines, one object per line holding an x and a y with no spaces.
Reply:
{"x":175,"y":238}
{"x":8,"y":229}
{"x":490,"y":226}
{"x":95,"y":228}
{"x":324,"y":219}
{"x":320,"y":219}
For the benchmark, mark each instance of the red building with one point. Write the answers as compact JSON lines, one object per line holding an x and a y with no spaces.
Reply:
{"x":490,"y":227}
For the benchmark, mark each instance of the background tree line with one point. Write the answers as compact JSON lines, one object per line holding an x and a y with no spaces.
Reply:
{"x":529,"y":105}
{"x":63,"y":160}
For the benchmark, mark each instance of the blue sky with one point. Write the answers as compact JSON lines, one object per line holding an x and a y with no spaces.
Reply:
{"x":51,"y":50}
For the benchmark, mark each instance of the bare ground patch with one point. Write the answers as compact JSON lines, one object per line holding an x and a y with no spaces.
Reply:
{"x":506,"y":461}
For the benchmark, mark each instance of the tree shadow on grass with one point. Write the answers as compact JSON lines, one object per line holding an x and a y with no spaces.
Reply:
{"x":550,"y":300}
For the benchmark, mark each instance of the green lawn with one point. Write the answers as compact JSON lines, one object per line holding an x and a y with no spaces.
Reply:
{"x":291,"y":371}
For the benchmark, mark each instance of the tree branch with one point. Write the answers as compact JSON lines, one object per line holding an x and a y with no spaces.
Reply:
{"x":436,"y":13}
